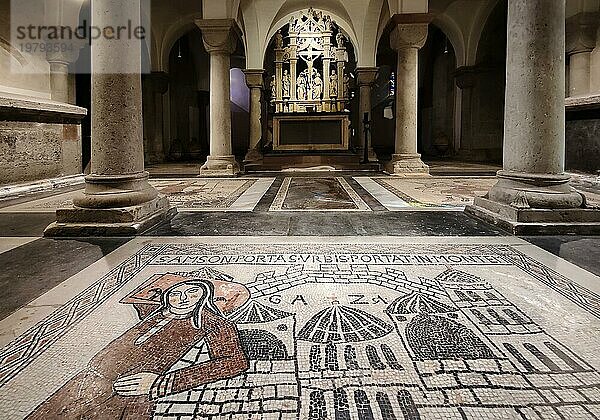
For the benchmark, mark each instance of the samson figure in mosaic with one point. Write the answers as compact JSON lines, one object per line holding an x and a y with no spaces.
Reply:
{"x":124,"y":380}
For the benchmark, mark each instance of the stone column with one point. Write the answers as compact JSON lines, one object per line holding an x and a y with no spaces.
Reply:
{"x":255,"y":81}
{"x":59,"y":73}
{"x":59,"y":81}
{"x":533,"y":194}
{"x":407,"y":39}
{"x":118,"y":200}
{"x":219,"y":40}
{"x":154,"y":86}
{"x":580,"y":41}
{"x":365,"y":77}
{"x":465,"y":80}
{"x":595,"y":66}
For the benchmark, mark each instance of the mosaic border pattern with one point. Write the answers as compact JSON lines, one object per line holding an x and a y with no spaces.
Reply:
{"x":28,"y":346}
{"x":277,"y":204}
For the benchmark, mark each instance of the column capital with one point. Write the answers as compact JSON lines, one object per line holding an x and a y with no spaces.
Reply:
{"x":218,"y":35}
{"x":365,"y":76}
{"x":581,"y":32}
{"x":409,"y":35}
{"x":254,"y":78}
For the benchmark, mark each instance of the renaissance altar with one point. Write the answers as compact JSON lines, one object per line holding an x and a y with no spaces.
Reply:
{"x":310,"y":85}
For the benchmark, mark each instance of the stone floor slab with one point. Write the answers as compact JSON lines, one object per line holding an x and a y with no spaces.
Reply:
{"x":317,"y":194}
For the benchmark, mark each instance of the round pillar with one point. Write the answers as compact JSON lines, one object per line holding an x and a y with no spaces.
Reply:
{"x":117,"y":176}
{"x":534,"y":122}
{"x":407,"y":39}
{"x":118,"y":200}
{"x":254,"y":80}
{"x":219,"y":40}
{"x":365,"y":77}
{"x":59,"y":81}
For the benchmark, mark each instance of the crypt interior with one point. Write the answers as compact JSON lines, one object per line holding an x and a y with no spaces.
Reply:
{"x":300,"y":209}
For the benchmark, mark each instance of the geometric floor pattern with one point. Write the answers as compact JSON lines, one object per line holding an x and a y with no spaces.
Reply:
{"x":310,"y":328}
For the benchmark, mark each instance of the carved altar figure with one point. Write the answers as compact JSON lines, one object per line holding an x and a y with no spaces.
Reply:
{"x":278,"y":40}
{"x":302,"y":87}
{"x":317,"y":88}
{"x":273,"y":89}
{"x":333,"y":84}
{"x":340,"y":40}
{"x":286,"y":84}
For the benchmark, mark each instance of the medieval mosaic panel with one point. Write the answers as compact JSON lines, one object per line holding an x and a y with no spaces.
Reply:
{"x":423,"y":193}
{"x":313,"y":331}
{"x":193,"y":194}
{"x":317,"y":194}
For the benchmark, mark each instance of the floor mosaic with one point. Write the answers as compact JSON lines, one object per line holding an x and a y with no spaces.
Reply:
{"x":398,"y":194}
{"x":317,"y":194}
{"x":188,"y":194}
{"x":313,"y":328}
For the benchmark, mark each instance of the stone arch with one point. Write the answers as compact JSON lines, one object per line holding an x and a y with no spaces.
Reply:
{"x":496,"y":18}
{"x":477,"y":29}
{"x":454,"y":34}
{"x":171,"y":36}
{"x":370,"y":38}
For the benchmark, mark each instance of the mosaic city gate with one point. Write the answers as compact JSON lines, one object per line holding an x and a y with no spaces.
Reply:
{"x":311,"y":332}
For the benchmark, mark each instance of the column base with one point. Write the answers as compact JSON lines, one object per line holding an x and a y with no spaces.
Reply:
{"x":408,"y":165}
{"x":220,"y":166}
{"x":532,"y":204}
{"x":253,"y":156}
{"x":536,"y":221}
{"x":124,"y":221}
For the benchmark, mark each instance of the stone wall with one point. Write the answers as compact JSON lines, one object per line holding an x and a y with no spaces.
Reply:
{"x":38,"y":139}
{"x":583,"y":141}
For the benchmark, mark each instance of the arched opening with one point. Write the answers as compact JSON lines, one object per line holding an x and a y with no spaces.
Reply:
{"x":176,"y":104}
{"x":483,"y":90}
{"x":186,"y":99}
{"x":437,"y":64}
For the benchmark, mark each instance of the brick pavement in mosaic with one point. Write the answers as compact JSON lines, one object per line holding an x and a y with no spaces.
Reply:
{"x":296,"y":331}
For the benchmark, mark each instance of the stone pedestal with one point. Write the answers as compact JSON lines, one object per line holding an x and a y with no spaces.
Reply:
{"x":407,"y":39}
{"x":219,"y":40}
{"x":255,"y":81}
{"x":118,"y":200}
{"x":365,"y":77}
{"x":533,"y":194}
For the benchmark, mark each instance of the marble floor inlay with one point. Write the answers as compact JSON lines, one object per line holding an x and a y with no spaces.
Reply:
{"x":448,"y":193}
{"x":309,"y":328}
{"x":187,"y":194}
{"x":317,"y":194}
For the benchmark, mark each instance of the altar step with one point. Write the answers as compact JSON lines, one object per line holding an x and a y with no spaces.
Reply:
{"x":285,"y":161}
